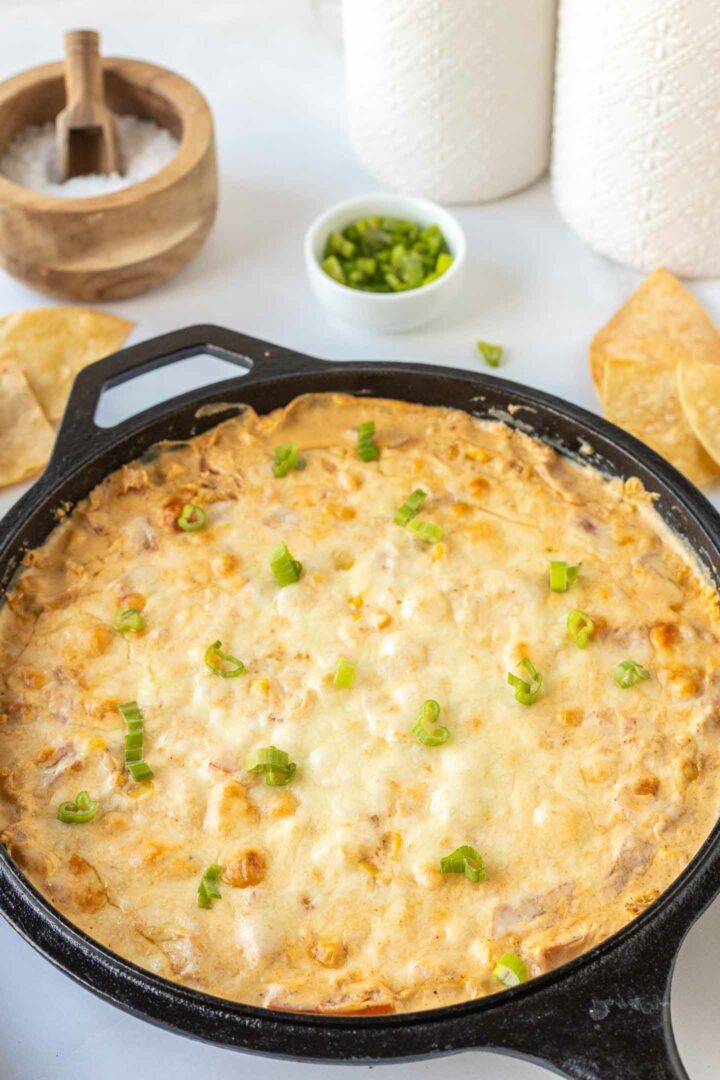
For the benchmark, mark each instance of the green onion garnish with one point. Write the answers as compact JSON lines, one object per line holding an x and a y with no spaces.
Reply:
{"x":510,"y":970}
{"x":286,"y":569}
{"x":580,"y":627}
{"x":562,"y":576}
{"x":526,"y":692}
{"x":128,"y":621}
{"x":411,"y":507}
{"x":140,"y":770}
{"x":274,"y":763}
{"x":427,"y":729}
{"x":208,"y":889}
{"x":215,"y":659}
{"x":464,"y":860}
{"x":134,"y":738}
{"x":384,"y":254}
{"x":345,"y":673}
{"x":192,"y":519}
{"x":491,"y":354}
{"x":629,"y":672}
{"x":286,"y":459}
{"x":77,"y":811}
{"x":426,"y":531}
{"x":367,"y":448}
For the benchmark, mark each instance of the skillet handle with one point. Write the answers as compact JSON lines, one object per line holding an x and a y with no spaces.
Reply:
{"x":608,"y":1018}
{"x":80,"y":438}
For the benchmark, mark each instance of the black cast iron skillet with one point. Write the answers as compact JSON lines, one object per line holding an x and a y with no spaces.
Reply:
{"x":605,"y":1015}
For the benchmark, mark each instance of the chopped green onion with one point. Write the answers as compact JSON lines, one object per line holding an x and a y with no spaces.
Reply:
{"x":140,"y":770}
{"x":411,"y":507}
{"x":526,"y":692}
{"x":286,"y":569}
{"x":134,"y":738}
{"x":274,"y":763}
{"x":562,"y":576}
{"x":339,"y":245}
{"x":208,"y":889}
{"x":128,"y":621}
{"x":215,"y":658}
{"x":491,"y":354}
{"x":333,"y":269}
{"x":427,"y":729}
{"x":383,"y":255}
{"x":510,"y":970}
{"x":286,"y":459}
{"x":443,"y":263}
{"x":78,"y":811}
{"x":345,"y":673}
{"x":464,"y":860}
{"x":629,"y":672}
{"x":426,"y":531}
{"x":367,"y":448}
{"x":192,"y":519}
{"x":580,"y":627}
{"x":131,"y":712}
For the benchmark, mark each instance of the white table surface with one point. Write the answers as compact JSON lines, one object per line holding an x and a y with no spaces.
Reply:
{"x":272,"y":70}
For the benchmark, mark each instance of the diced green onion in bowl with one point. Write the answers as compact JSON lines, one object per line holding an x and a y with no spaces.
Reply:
{"x":385,"y":262}
{"x":386,"y":254}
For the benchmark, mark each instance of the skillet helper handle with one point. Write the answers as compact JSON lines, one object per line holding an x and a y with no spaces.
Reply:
{"x":608,"y":1020}
{"x":80,"y":438}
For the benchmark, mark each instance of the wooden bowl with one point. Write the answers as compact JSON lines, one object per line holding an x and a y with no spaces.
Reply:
{"x":106,"y":247}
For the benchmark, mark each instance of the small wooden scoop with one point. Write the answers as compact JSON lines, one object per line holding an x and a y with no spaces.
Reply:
{"x":85,"y":130}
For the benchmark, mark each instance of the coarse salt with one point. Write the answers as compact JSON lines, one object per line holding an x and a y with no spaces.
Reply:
{"x":31,"y":159}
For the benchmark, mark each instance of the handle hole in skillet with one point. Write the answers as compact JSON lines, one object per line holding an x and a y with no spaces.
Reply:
{"x":119,"y":402}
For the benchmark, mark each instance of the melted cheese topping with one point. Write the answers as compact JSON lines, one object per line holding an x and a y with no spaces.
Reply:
{"x":584,"y":806}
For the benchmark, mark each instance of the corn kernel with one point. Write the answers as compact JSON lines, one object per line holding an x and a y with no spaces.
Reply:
{"x":284,"y":805}
{"x":34,"y":679}
{"x":223,"y":564}
{"x":438,"y":552}
{"x":330,"y":954}
{"x":340,"y":512}
{"x":246,"y":869}
{"x":262,"y":686}
{"x":134,"y":600}
{"x":478,"y":485}
{"x":368,"y":867}
{"x":477,"y":453}
{"x":394,"y":841}
{"x":140,"y":791}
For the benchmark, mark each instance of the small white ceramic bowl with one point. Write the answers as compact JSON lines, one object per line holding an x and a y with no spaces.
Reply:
{"x":385,"y":313}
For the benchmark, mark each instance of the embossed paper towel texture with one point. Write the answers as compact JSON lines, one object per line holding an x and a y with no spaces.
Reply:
{"x":636,"y":158}
{"x":451,"y":99}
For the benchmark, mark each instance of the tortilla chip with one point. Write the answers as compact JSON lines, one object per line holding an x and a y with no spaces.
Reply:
{"x":699,"y":388}
{"x":641,"y":396}
{"x":50,"y":346}
{"x":661,"y":321}
{"x":26,"y":438}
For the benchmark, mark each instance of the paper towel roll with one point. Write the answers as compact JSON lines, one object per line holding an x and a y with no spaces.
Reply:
{"x":451,"y":99}
{"x":636,"y":159}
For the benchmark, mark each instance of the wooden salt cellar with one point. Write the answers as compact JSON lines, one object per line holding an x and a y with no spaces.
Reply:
{"x":106,"y":247}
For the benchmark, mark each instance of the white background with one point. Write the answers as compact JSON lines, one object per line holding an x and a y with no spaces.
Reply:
{"x":272,"y":71}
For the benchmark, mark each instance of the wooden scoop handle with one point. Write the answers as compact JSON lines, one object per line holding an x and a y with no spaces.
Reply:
{"x":83,"y":72}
